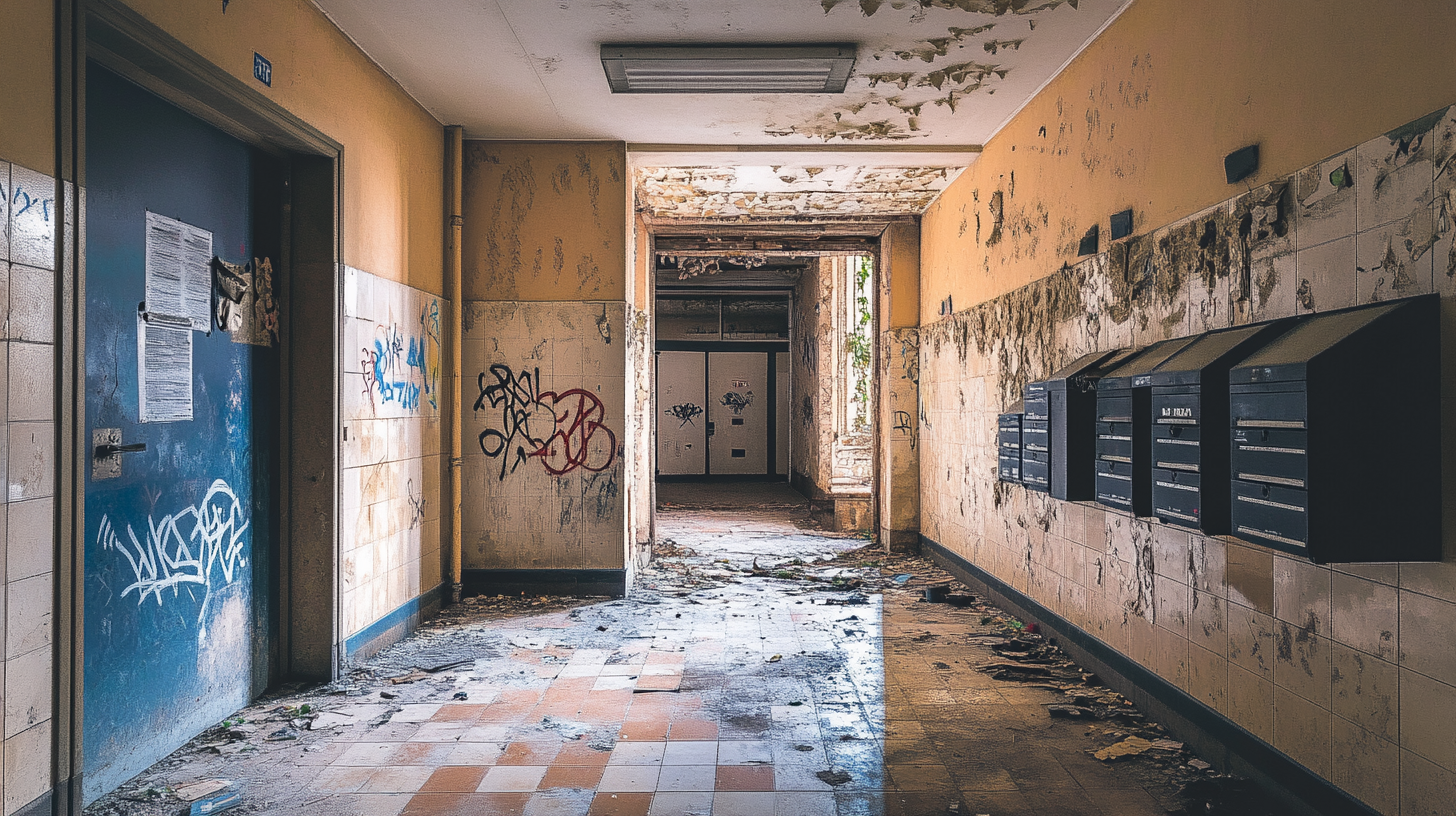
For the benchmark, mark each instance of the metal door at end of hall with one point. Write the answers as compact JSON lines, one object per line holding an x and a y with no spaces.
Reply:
{"x":682,"y":448}
{"x":738,"y":400}
{"x":181,"y":490}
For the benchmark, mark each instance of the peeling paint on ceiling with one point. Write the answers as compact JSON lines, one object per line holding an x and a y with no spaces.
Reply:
{"x":929,"y":72}
{"x":776,"y":191}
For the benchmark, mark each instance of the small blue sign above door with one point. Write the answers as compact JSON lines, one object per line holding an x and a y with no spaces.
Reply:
{"x":262,"y":69}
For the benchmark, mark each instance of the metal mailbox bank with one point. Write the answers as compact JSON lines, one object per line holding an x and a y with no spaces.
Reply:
{"x":1123,"y":466}
{"x":1190,"y":450}
{"x":1058,"y":429}
{"x":1336,"y":437}
{"x":1008,"y":445}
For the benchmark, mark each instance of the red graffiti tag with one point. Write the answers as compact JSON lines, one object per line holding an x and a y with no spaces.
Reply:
{"x":579,"y":418}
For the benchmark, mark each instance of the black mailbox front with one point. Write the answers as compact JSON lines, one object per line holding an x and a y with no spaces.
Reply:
{"x":1314,"y":469}
{"x":1070,"y":401}
{"x":1190,"y":453}
{"x":1008,"y":446}
{"x":1123,"y":464}
{"x":1035,"y":438}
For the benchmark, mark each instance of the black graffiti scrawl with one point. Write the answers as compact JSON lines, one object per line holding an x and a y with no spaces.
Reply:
{"x":736,"y":402}
{"x":684,"y":413}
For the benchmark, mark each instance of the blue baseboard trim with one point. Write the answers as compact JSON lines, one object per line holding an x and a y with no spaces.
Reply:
{"x":1246,"y":753}
{"x":612,"y":582}
{"x":393,"y":627}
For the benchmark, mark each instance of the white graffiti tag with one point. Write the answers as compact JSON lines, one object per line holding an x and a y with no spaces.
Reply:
{"x":184,"y":548}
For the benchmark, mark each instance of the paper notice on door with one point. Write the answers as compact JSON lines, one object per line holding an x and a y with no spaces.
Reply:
{"x":164,"y":369}
{"x":179,"y":271}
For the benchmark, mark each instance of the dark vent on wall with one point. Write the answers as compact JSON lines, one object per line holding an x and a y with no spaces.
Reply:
{"x":728,"y":68}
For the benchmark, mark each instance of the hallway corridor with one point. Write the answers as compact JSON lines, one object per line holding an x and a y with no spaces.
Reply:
{"x":816,"y":683}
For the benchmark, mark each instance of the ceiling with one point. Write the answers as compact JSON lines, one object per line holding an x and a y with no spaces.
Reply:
{"x":934,"y":79}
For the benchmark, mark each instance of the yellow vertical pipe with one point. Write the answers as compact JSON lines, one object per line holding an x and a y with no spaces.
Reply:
{"x":454,"y":157}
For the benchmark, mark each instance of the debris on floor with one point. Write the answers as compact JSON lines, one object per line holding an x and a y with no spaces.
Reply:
{"x":756,"y":658}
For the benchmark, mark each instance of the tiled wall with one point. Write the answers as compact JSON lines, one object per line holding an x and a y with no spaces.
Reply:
{"x":27,"y":371}
{"x":544,"y":407}
{"x":1348,"y":669}
{"x":392,"y":460}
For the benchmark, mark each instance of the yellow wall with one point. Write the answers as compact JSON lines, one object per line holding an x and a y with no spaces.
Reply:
{"x":545,"y":221}
{"x":394,"y":151}
{"x":27,"y":127}
{"x":1145,"y":115}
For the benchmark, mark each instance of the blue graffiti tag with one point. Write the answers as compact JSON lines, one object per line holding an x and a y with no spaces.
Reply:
{"x":401,"y":368}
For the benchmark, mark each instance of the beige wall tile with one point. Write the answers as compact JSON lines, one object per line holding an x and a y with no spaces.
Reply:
{"x":1251,"y":640}
{"x":27,"y":691}
{"x":1427,"y":711}
{"x":1208,"y":560}
{"x":28,"y":545}
{"x":1365,"y":765}
{"x":1426,"y":789}
{"x":31,"y":457}
{"x":1208,"y":622}
{"x":1250,"y":573}
{"x":1251,"y":702}
{"x":1364,"y":614}
{"x":27,"y":766}
{"x":28,"y":615}
{"x":1365,"y":691}
{"x":1425,"y":636}
{"x":1170,"y":552}
{"x":1436,"y":578}
{"x":1302,"y":594}
{"x":1302,"y":663}
{"x":1302,"y":730}
{"x":1170,"y":605}
{"x":1208,"y":678}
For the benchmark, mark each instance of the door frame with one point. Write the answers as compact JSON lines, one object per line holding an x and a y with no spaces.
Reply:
{"x":310,"y":275}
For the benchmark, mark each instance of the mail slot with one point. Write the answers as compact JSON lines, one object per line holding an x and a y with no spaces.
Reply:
{"x":1190,"y":406}
{"x":1008,"y":445}
{"x":1070,"y":400}
{"x":1315,"y":467}
{"x":1176,"y":496}
{"x":1123,"y":430}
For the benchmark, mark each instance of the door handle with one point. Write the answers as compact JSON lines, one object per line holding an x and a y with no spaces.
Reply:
{"x":112,"y":450}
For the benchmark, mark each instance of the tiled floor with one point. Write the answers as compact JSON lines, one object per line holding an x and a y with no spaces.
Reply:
{"x":750,"y":696}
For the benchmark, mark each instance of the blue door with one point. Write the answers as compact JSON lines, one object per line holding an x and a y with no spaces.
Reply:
{"x":181,"y":490}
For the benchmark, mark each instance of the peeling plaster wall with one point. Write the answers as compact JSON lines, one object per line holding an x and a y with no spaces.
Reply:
{"x":1144,"y":116}
{"x":1345,"y":668}
{"x":545,"y":221}
{"x":776,"y":191}
{"x":897,"y":397}
{"x":550,"y":327}
{"x":812,"y":384}
{"x":391,"y":458}
{"x":642,"y":365}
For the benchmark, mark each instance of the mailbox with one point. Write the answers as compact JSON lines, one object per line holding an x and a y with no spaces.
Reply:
{"x":1316,"y":467}
{"x":1057,"y":430}
{"x":1123,"y":466}
{"x":1008,"y":446}
{"x":1189,"y":409}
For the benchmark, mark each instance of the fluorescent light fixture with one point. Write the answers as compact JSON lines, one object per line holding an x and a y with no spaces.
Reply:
{"x":819,"y":68}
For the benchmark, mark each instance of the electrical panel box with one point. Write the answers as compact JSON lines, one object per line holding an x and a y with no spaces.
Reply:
{"x":1008,"y":446}
{"x":1318,"y":468}
{"x":1189,"y":449}
{"x":1123,"y":465}
{"x":1067,"y":405}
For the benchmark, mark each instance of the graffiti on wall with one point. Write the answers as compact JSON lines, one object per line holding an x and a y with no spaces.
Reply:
{"x":416,"y":504}
{"x":565,"y":431}
{"x":403,"y":367}
{"x":201,"y":546}
{"x":905,"y":425}
{"x":684,"y":413}
{"x":736,"y":402}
